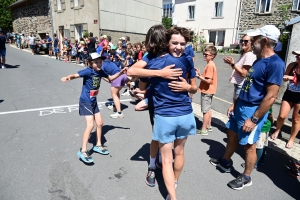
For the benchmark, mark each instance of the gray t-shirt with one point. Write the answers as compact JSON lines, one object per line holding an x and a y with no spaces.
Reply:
{"x":31,"y":40}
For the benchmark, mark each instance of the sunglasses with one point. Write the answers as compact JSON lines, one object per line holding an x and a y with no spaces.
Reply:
{"x":244,"y":41}
{"x":206,"y":54}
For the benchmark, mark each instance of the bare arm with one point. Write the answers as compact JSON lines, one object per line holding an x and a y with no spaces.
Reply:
{"x":242,"y":70}
{"x":205,"y":79}
{"x":70,"y":77}
{"x":184,"y":86}
{"x":113,"y":77}
{"x":286,"y":76}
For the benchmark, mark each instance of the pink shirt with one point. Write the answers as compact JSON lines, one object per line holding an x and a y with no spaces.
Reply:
{"x":246,"y":59}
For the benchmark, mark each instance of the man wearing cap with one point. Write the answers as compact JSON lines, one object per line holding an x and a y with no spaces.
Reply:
{"x":2,"y":49}
{"x":49,"y":44}
{"x":249,"y":112}
{"x":123,"y":39}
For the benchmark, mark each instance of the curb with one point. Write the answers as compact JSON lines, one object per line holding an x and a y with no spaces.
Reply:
{"x":277,"y":145}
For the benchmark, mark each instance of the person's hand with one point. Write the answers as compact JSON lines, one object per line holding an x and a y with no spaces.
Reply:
{"x":169,"y":73}
{"x":228,"y":59}
{"x":179,"y":86}
{"x":198,"y":72}
{"x":64,"y":79}
{"x":124,"y":70}
{"x":230,"y":110}
{"x":248,"y":126}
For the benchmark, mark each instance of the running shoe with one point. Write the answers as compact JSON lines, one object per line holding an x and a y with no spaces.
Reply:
{"x":240,"y":182}
{"x":225,"y":167}
{"x":101,"y":149}
{"x":215,"y":161}
{"x":85,"y":156}
{"x":125,"y":93}
{"x":110,"y":107}
{"x":117,"y":115}
{"x":202,"y":132}
{"x":209,"y":129}
{"x":150,"y":178}
{"x":294,"y":172}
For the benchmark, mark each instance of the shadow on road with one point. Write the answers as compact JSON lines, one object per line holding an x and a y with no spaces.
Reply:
{"x":1,"y":101}
{"x":7,"y":66}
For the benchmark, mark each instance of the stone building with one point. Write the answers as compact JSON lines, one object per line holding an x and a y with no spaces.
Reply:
{"x":294,"y":44}
{"x":257,"y":13}
{"x":31,"y":16}
{"x":72,"y":18}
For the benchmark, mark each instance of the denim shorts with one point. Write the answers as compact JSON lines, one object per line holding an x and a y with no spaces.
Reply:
{"x":168,"y":129}
{"x":237,"y":90}
{"x":2,"y":53}
{"x":244,"y":111}
{"x":88,"y":108}
{"x":56,"y":49}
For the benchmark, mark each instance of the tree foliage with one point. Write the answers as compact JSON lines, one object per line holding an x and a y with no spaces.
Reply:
{"x":5,"y":15}
{"x":167,"y":22}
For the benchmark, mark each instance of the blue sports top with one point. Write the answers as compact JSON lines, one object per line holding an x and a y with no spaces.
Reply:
{"x":91,"y":84}
{"x":109,"y":67}
{"x":168,"y":103}
{"x":263,"y":71}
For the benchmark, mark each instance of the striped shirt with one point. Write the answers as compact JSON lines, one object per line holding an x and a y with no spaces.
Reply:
{"x":246,"y":59}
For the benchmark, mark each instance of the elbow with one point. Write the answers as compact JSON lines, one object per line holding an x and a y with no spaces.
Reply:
{"x":130,"y":72}
{"x":193,"y":89}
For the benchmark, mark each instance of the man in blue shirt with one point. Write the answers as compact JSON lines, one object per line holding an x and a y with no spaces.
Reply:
{"x":49,"y":44}
{"x":55,"y":44}
{"x":249,"y":112}
{"x":2,"y":49}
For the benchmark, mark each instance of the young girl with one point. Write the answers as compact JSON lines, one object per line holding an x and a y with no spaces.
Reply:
{"x":173,"y":114}
{"x":88,"y":106}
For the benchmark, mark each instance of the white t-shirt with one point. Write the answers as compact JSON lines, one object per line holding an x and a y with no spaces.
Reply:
{"x":246,"y":59}
{"x":31,"y":40}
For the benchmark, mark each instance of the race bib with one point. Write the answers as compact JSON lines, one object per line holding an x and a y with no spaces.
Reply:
{"x":93,"y":93}
{"x":294,"y":88}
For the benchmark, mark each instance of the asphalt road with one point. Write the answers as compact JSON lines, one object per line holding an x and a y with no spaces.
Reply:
{"x":41,"y":132}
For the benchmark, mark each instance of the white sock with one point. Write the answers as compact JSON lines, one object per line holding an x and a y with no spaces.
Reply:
{"x":152,"y":162}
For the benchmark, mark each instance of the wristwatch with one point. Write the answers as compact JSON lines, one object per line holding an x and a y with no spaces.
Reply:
{"x":232,"y":64}
{"x":254,"y":119}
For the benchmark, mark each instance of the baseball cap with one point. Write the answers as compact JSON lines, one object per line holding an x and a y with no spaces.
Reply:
{"x":269,"y":31}
{"x":296,"y":52}
{"x":122,"y":38}
{"x":105,"y":56}
{"x":113,"y":47}
{"x":104,"y":36}
{"x":94,"y":56}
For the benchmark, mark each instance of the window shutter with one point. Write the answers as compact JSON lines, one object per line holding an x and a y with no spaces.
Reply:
{"x":257,"y":8}
{"x":81,"y":3}
{"x":63,"y":4}
{"x":72,"y":4}
{"x":55,"y":5}
{"x":295,"y":5}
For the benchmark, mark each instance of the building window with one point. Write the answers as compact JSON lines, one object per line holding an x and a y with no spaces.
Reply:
{"x":263,"y":6}
{"x":76,"y":3}
{"x":217,"y":37}
{"x":78,"y":31}
{"x":58,"y":4}
{"x":218,"y":9}
{"x":296,"y":5}
{"x":167,"y":10}
{"x":191,"y":12}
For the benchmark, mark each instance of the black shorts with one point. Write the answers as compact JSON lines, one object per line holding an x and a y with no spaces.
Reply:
{"x":151,"y":114}
{"x":88,"y":108}
{"x":291,"y":97}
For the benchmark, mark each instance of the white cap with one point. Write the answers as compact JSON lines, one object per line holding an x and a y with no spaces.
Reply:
{"x":95,"y":56}
{"x":122,"y":38}
{"x":296,"y":52}
{"x":269,"y":31}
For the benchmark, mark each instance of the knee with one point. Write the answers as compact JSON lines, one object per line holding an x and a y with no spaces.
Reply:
{"x":281,"y":117}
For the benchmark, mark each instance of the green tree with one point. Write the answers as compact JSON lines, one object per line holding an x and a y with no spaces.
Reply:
{"x":5,"y":15}
{"x":167,"y":22}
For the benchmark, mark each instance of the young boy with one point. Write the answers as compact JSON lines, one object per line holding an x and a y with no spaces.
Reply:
{"x":208,"y":87}
{"x":88,"y":106}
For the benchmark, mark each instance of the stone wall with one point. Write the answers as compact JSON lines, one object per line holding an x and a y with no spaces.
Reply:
{"x":115,"y":35}
{"x":250,"y":20}
{"x":32,"y":16}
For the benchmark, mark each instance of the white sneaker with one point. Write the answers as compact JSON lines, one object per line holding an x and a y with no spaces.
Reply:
{"x":117,"y":115}
{"x":3,"y":67}
{"x":110,"y":107}
{"x":126,"y":93}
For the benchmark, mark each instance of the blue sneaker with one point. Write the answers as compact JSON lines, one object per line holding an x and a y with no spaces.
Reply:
{"x":101,"y":149}
{"x":85,"y":156}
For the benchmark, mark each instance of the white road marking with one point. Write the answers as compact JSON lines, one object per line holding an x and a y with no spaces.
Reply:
{"x":222,"y":100}
{"x":48,"y":108}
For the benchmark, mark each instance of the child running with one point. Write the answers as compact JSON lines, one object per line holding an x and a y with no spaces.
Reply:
{"x":88,"y":106}
{"x":173,"y":115}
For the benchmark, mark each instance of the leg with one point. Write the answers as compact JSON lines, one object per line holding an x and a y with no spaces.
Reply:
{"x":232,"y":144}
{"x":295,"y":126}
{"x":89,"y":127}
{"x":283,"y":113}
{"x":209,"y":121}
{"x":179,"y":157}
{"x":115,"y":94}
{"x":167,"y":170}
{"x":142,"y":105}
{"x":99,"y":124}
{"x":250,"y":158}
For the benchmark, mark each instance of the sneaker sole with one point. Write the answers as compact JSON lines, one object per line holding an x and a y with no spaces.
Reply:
{"x":117,"y":117}
{"x":224,"y":169}
{"x":105,"y":153}
{"x":244,"y":185}
{"x":214,"y":164}
{"x":151,"y":185}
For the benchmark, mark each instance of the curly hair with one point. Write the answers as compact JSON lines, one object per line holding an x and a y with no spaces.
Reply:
{"x":175,"y":30}
{"x":156,"y":40}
